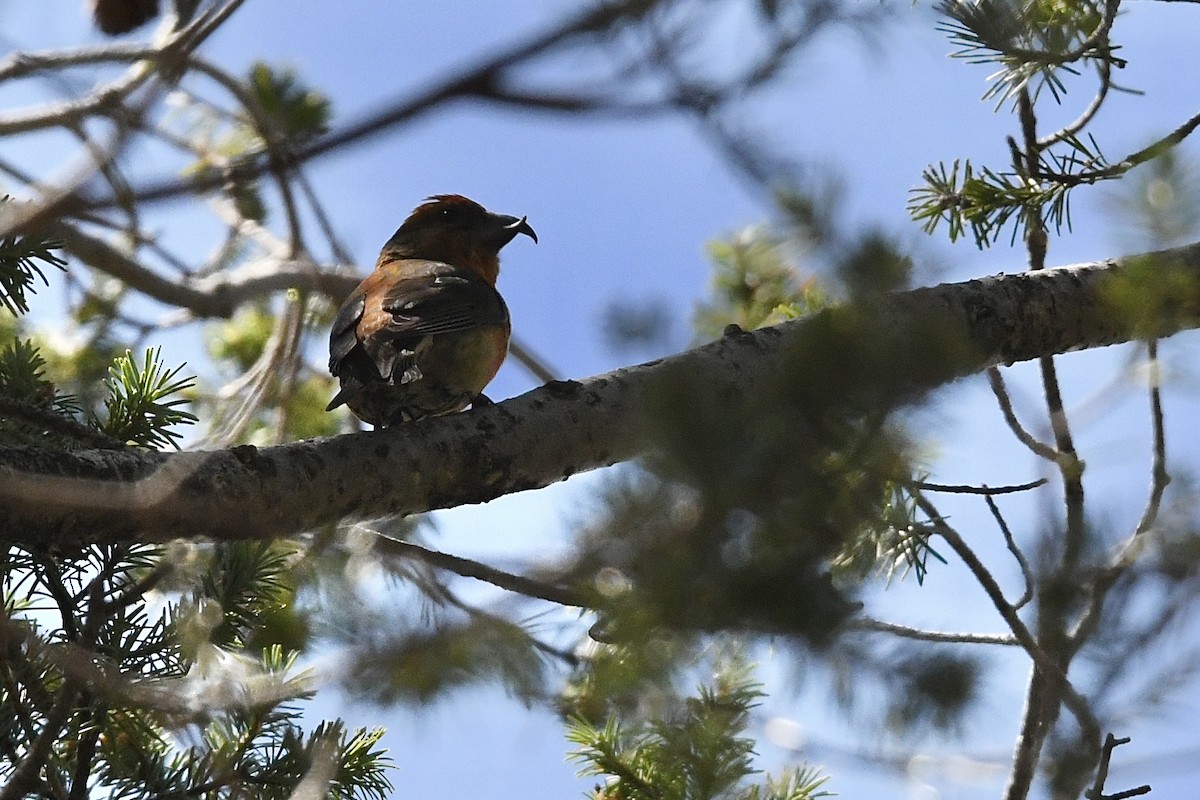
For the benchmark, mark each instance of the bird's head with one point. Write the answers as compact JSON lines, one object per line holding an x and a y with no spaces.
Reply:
{"x":455,"y":230}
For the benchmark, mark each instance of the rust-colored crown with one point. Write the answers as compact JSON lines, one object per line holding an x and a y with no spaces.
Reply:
{"x":455,"y":230}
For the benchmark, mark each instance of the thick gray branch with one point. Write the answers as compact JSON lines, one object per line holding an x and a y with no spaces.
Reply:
{"x":563,"y":428}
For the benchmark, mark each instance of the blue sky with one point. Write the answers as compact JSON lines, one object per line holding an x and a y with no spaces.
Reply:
{"x":622,"y":209}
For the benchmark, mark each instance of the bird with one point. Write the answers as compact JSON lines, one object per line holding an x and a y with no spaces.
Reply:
{"x":427,"y":330}
{"x":114,"y":17}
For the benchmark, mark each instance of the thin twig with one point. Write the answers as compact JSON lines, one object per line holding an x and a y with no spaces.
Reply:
{"x":986,"y":491}
{"x":996,"y":381}
{"x":22,"y":64}
{"x":1076,"y":702}
{"x":1104,"y":73}
{"x":271,"y":141}
{"x":138,"y":589}
{"x":1011,"y":543}
{"x":531,"y":361}
{"x":1097,"y":791}
{"x":206,"y":24}
{"x":146,"y":61}
{"x":1070,"y":467}
{"x":72,"y":112}
{"x":1148,"y":153}
{"x":474,"y":569}
{"x":477,"y":81}
{"x":24,"y":776}
{"x":565,"y":656}
{"x":1047,"y":687}
{"x":251,"y":388}
{"x":336,"y":248}
{"x":948,"y":637}
{"x":1159,"y":479}
{"x":290,"y":361}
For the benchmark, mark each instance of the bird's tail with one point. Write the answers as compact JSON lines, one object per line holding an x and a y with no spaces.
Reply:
{"x":343,"y":396}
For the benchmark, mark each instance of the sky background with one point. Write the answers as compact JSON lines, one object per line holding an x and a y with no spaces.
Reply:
{"x":623,"y":209}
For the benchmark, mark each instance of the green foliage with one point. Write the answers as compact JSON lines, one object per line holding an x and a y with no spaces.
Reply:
{"x":897,"y":545}
{"x":159,"y":673}
{"x":628,"y":677}
{"x":245,"y":581}
{"x":1159,"y":205}
{"x":987,"y":203}
{"x":1153,"y":294}
{"x":1032,"y":41}
{"x":288,"y":398}
{"x":139,"y":411}
{"x":305,"y":409}
{"x":425,"y":664}
{"x":35,"y":411}
{"x":746,"y":555}
{"x":696,"y":751}
{"x":296,"y":112}
{"x":258,"y":748}
{"x":909,"y":689}
{"x":81,"y":637}
{"x":754,"y":285}
{"x":80,"y":363}
{"x":873,"y":266}
{"x":631,"y":324}
{"x":281,"y":112}
{"x":755,"y":491}
{"x":22,"y":376}
{"x":19,"y":266}
{"x":240,"y":340}
{"x":931,"y":688}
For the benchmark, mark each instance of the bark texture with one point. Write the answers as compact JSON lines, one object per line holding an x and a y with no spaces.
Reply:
{"x":63,"y":498}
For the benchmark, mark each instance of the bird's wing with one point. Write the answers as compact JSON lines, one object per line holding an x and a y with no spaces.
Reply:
{"x":393,"y":312}
{"x":436,"y":298}
{"x":343,"y":336}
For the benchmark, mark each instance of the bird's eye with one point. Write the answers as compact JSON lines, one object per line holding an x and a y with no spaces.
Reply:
{"x":460,"y":215}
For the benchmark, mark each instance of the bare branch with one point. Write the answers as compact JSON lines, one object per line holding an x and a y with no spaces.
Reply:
{"x":1104,"y":75}
{"x":1048,"y":687}
{"x":906,"y":632}
{"x":996,"y":381}
{"x":146,"y":62}
{"x":1159,"y":479}
{"x":986,"y":491}
{"x":215,"y":295}
{"x":1011,"y":543}
{"x":1097,"y":791}
{"x":1043,"y":661}
{"x":468,"y":568}
{"x":531,"y":361}
{"x":474,"y":82}
{"x":20,"y":65}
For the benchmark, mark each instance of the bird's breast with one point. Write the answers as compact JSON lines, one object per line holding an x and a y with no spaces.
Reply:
{"x":467,"y":360}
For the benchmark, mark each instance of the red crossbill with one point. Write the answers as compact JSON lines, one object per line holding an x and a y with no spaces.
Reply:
{"x":425,"y":332}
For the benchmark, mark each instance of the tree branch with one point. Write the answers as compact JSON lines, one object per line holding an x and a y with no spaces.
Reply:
{"x":921,"y":635}
{"x":469,"y":568}
{"x":551,"y":433}
{"x":216,"y":295}
{"x":985,"y":491}
{"x":474,"y":82}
